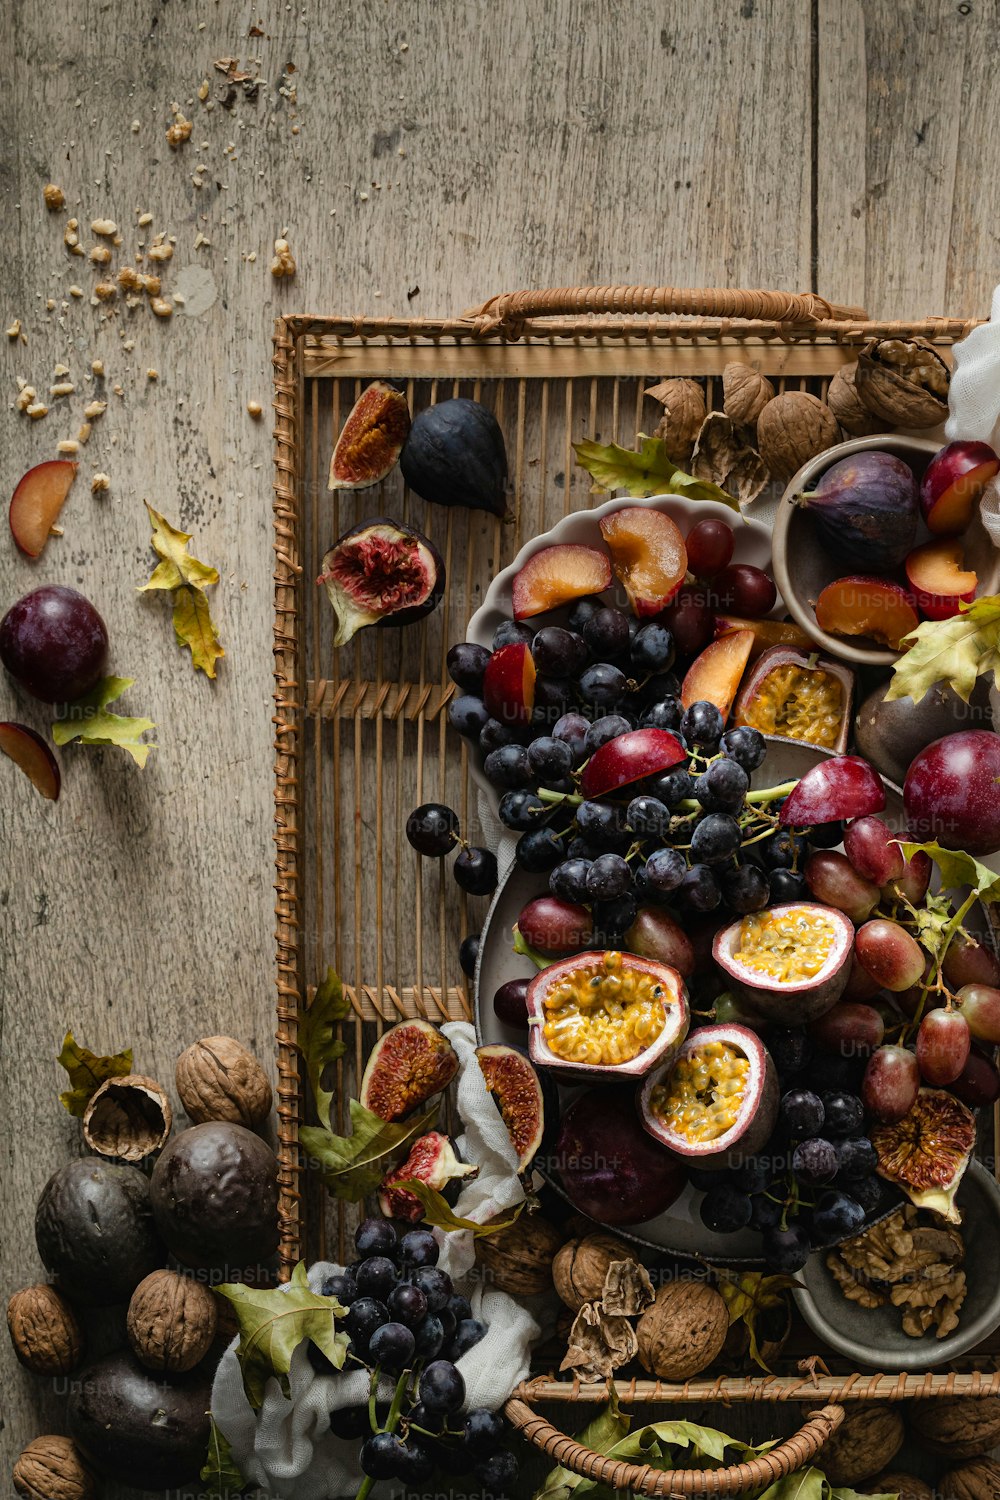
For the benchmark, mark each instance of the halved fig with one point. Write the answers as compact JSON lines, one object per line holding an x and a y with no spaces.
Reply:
{"x":766,"y":633}
{"x":869,"y":606}
{"x":29,"y":751}
{"x":605,"y":1015}
{"x":798,"y":695}
{"x":845,"y":786}
{"x":431,"y":1160}
{"x":371,"y":439}
{"x":648,"y":556}
{"x":715,"y":674}
{"x":408,"y":1065}
{"x":381,"y":573}
{"x":630,"y":757}
{"x":509,"y":684}
{"x":609,"y":1167}
{"x":522,"y":1097}
{"x":556,"y":575}
{"x":789,"y":962}
{"x":716,"y":1103}
{"x":927,"y":1151}
{"x":37,"y":501}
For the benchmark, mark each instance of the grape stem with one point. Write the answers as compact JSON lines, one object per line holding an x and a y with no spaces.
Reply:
{"x":754,"y":799}
{"x":391,"y":1422}
{"x":934,"y":981}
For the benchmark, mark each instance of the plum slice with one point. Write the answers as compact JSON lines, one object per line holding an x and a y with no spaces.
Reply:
{"x":714,"y":676}
{"x":862,"y":604}
{"x":766,"y":633}
{"x":29,"y":751}
{"x":954,"y":480}
{"x":37,"y":501}
{"x":371,"y":439}
{"x":555,"y":575}
{"x":648,"y":555}
{"x":938,"y":579}
{"x":630,"y":757}
{"x":381,"y":573}
{"x":509,"y":684}
{"x":845,"y":786}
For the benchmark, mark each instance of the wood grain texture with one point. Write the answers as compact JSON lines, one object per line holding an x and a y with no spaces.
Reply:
{"x":444,"y":151}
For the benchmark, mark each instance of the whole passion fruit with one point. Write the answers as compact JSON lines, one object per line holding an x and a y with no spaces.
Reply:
{"x":139,"y":1427}
{"x":381,"y":573}
{"x":927,"y":1151}
{"x":214,"y":1192}
{"x":716,"y":1103}
{"x":408,"y":1065}
{"x":610,"y":1169}
{"x":606,"y":1015}
{"x":94,"y":1230}
{"x":790,"y":962}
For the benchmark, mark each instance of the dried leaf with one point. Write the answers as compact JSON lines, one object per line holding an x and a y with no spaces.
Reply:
{"x":188,"y":577}
{"x":724,"y":457}
{"x":955,"y":651}
{"x":88,"y":721}
{"x":627,"y":1290}
{"x":275,"y":1321}
{"x":646,"y":471}
{"x":438,"y":1212}
{"x":599,"y":1344}
{"x":221,"y":1476}
{"x":354,"y":1165}
{"x":87,"y":1072}
{"x":747,"y":1294}
{"x":317,"y":1043}
{"x":194,"y":628}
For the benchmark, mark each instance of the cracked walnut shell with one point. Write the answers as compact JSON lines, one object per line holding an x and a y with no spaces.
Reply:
{"x":847,"y":406}
{"x":220,"y":1079}
{"x":745,"y":393}
{"x":44,"y":1330}
{"x":792,"y":429}
{"x":128,"y":1118}
{"x":171,"y":1321}
{"x":904,"y":382}
{"x":956,"y":1426}
{"x":683,"y":1331}
{"x":866,"y":1442}
{"x":684,"y":410}
{"x":977,"y":1480}
{"x":580,"y":1268}
{"x":50,"y":1469}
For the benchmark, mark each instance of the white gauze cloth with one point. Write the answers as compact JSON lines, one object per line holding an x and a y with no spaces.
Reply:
{"x":974,"y":401}
{"x":286,"y":1448}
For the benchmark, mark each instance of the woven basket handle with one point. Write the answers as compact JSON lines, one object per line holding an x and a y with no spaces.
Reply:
{"x":619,"y":1476}
{"x":508,"y":311}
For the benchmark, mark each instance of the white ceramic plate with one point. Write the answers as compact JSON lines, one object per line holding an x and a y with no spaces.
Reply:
{"x":752,"y":545}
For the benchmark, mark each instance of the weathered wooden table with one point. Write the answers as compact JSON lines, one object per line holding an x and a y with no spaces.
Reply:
{"x":421,"y":155}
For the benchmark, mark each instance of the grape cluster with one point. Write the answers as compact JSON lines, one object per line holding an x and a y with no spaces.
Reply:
{"x":404,"y":1319}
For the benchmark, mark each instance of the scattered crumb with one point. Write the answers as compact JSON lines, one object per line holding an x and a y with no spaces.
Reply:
{"x":83,"y":432}
{"x":201,"y":239}
{"x":60,"y":370}
{"x":57,"y":530}
{"x":105,"y":290}
{"x":106,"y":227}
{"x":145,"y":219}
{"x":76,"y":291}
{"x":160,"y":252}
{"x":68,"y":445}
{"x":97,"y":367}
{"x":152,"y":374}
{"x":95,"y":409}
{"x":128,"y":345}
{"x":177,"y":298}
{"x":283,"y":263}
{"x":161,"y":308}
{"x":100,"y":484}
{"x":179,"y":131}
{"x":128,"y":279}
{"x":25,"y":397}
{"x":255,"y":409}
{"x":71,"y":238}
{"x":54,"y":196}
{"x":37,"y":410}
{"x":136,"y":127}
{"x":50,"y":304}
{"x":149,"y":284}
{"x":100,"y":255}
{"x":119,"y":390}
{"x":14,"y":331}
{"x":62,"y":388}
{"x":203,"y":90}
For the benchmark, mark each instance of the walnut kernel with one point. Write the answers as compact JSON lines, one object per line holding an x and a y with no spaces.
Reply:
{"x":44,"y":1330}
{"x":54,"y":196}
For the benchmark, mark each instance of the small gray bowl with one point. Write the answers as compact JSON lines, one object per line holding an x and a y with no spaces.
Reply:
{"x":802,"y":565}
{"x":874,"y":1336}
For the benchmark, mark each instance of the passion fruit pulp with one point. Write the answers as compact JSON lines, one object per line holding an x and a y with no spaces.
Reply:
{"x":799,"y":696}
{"x":716,"y":1103}
{"x":408,"y":1065}
{"x":605,"y":1014}
{"x":381,"y":573}
{"x":790,"y":962}
{"x":371,"y":439}
{"x":927,"y":1151}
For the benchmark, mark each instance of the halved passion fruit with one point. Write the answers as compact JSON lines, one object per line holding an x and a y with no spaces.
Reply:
{"x":716,"y":1103}
{"x":927,"y":1151}
{"x":606,"y":1015}
{"x":789,"y":962}
{"x":799,"y":695}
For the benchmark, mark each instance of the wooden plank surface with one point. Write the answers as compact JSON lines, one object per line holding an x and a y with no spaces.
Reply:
{"x":422,"y":156}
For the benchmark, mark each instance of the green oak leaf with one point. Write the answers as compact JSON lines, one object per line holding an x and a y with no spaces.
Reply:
{"x":600,"y":1435}
{"x":644,"y":471}
{"x":317,"y":1043}
{"x":955,"y":651}
{"x":353,"y":1166}
{"x":439,"y":1214}
{"x":958,"y":869}
{"x":222,"y":1478}
{"x":87,"y":1072}
{"x":88,"y":721}
{"x":274,"y":1322}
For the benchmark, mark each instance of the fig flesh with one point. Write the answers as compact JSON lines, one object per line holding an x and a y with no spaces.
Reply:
{"x":409,"y":1064}
{"x":455,"y":455}
{"x":432,"y":1160}
{"x":717,"y":1102}
{"x":609,"y":1167}
{"x":790,"y":962}
{"x":381,"y":573}
{"x":371,"y":439}
{"x":520,"y":1095}
{"x":866,"y":508}
{"x":927,"y":1151}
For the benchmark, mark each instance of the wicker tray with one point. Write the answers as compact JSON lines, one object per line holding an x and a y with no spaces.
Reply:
{"x":361,"y":733}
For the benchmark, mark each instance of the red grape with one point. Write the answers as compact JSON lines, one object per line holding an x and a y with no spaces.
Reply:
{"x":709,"y":547}
{"x":832,"y":879}
{"x":744,"y":589}
{"x":981,"y":1009}
{"x":850,"y":1029}
{"x":912,"y":884}
{"x":967,"y":961}
{"x":978,"y":1083}
{"x":873,"y":850}
{"x":891,"y":1083}
{"x":860,"y":984}
{"x":891,"y":955}
{"x":952,"y":792}
{"x":54,"y":643}
{"x":691,"y":621}
{"x":943,"y":1044}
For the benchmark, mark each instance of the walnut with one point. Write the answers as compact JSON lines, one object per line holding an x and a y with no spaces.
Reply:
{"x":44,"y":1330}
{"x":896,"y":1482}
{"x":792,"y":429}
{"x":518,"y":1260}
{"x":745,"y":393}
{"x":128,"y":1117}
{"x":956,"y":1426}
{"x":684,"y":410}
{"x":283,"y":263}
{"x":50,"y":1469}
{"x":599,"y":1343}
{"x":867,"y":1440}
{"x":977,"y":1480}
{"x":683,"y":1331}
{"x":904,"y":382}
{"x":914,"y":1267}
{"x":722,"y":457}
{"x":220,"y":1079}
{"x":171,"y":1321}
{"x":847,"y":406}
{"x":581,"y":1267}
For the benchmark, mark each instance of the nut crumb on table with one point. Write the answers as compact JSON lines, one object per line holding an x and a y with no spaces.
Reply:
{"x":54,"y":196}
{"x":99,"y":484}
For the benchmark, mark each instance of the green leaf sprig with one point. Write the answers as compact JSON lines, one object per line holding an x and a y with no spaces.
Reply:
{"x":221,"y":1476}
{"x":317,"y":1043}
{"x":353,"y":1165}
{"x":439,"y":1214}
{"x":274,"y":1322}
{"x":89,"y":722}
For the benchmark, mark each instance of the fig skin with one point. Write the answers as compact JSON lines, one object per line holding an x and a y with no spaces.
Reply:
{"x":140,"y":1427}
{"x":214,"y":1192}
{"x":351,"y":615}
{"x":866,"y":509}
{"x":890,"y":735}
{"x":94,"y":1230}
{"x":455,"y":455}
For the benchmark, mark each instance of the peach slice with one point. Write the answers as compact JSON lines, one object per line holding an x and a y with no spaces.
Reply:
{"x":714,"y":676}
{"x":556,"y":575}
{"x":648,"y":555}
{"x":509,"y":684}
{"x":938,"y":579}
{"x":954,"y":480}
{"x":766,"y":633}
{"x":37,"y":501}
{"x":630,"y":757}
{"x":865,"y":605}
{"x":29,"y":751}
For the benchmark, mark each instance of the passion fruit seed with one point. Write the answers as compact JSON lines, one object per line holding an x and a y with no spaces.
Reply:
{"x":702,"y":1095}
{"x":787,"y":946}
{"x":603,"y":1014}
{"x":799,"y":702}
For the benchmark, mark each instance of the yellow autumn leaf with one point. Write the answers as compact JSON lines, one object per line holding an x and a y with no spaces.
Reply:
{"x":194,"y":628}
{"x":187,"y":578}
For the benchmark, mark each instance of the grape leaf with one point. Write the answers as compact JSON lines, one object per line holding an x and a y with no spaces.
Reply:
{"x":222,"y":1477}
{"x":600,"y":1435}
{"x":438,"y":1212}
{"x":353,"y":1165}
{"x":188,"y":578}
{"x":958,"y":869}
{"x":316,"y":1039}
{"x":956,"y":651}
{"x":274,"y":1322}
{"x":645,"y":471}
{"x":89,"y":721}
{"x":87,"y":1072}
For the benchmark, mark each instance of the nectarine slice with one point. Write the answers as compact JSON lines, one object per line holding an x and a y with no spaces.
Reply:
{"x":556,"y":575}
{"x":864,"y":605}
{"x":648,"y":555}
{"x":766,"y":633}
{"x":954,"y":480}
{"x":37,"y":501}
{"x":29,"y":751}
{"x":630,"y":757}
{"x":714,"y":676}
{"x":509,"y":684}
{"x":938,"y":579}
